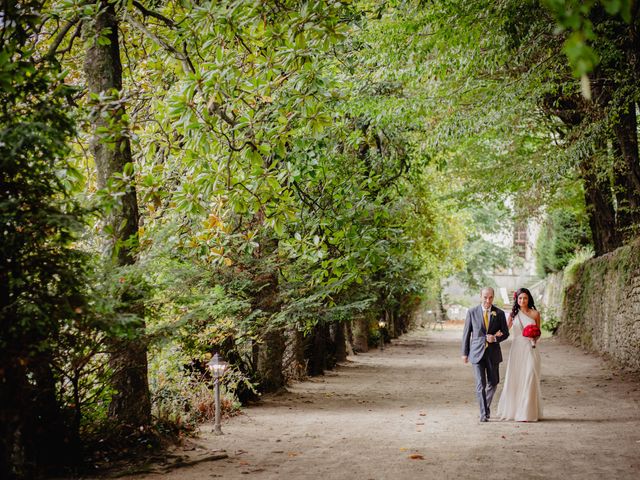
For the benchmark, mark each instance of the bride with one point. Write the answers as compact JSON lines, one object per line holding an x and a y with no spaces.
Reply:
{"x":521,"y":400}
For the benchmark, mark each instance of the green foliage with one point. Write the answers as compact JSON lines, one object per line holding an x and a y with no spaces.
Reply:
{"x":576,"y":16}
{"x":42,"y":273}
{"x":179,"y":399}
{"x":280,"y":186}
{"x":562,"y":235}
{"x":302,"y":164}
{"x":550,"y":320}
{"x":481,"y":254}
{"x":573,"y":265}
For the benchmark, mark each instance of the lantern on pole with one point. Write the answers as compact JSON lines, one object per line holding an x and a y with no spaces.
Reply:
{"x":217,"y":367}
{"x":381,"y":326}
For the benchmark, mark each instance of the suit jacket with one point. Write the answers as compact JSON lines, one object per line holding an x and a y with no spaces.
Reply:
{"x":474,"y":336}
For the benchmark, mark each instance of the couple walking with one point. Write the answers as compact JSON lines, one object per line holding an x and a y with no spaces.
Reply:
{"x":484,"y":329}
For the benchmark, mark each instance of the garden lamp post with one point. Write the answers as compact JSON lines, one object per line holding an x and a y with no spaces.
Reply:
{"x":218,"y":367}
{"x":382,"y":324}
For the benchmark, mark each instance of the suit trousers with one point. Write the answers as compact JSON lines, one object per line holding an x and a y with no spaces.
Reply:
{"x":487,"y":378}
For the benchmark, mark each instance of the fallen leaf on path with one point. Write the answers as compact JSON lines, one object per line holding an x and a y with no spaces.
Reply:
{"x":423,"y":414}
{"x":416,"y":456}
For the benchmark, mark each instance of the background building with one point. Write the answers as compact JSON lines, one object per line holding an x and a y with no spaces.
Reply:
{"x":520,"y":240}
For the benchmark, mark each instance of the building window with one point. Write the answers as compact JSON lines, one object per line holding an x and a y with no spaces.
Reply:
{"x":520,"y":239}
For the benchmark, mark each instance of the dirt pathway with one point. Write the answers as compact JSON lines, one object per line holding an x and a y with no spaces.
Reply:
{"x":410,"y":412}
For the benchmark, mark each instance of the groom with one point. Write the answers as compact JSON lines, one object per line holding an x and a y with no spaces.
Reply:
{"x":484,"y":328}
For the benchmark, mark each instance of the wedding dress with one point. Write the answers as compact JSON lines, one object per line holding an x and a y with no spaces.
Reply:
{"x":520,"y":399}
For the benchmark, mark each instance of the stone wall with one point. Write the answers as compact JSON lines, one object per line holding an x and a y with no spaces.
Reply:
{"x":601,"y":308}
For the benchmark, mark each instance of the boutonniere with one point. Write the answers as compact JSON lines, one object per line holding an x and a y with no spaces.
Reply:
{"x":493,"y":314}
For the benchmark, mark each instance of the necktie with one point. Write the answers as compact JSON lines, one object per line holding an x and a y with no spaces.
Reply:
{"x":485,"y":315}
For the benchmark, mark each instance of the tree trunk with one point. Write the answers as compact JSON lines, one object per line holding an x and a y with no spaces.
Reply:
{"x":340,"y":341}
{"x":441,"y":313}
{"x":360,"y":335}
{"x":103,"y":70}
{"x":402,"y":320}
{"x":318,"y":350}
{"x":390,"y":328}
{"x":626,"y":169}
{"x":52,"y":445}
{"x":272,"y":341}
{"x":32,"y":432}
{"x":295,"y":365}
{"x":131,"y":404}
{"x":600,"y":209}
{"x":573,"y":110}
{"x":349,"y":334}
{"x":15,"y":459}
{"x":270,"y":361}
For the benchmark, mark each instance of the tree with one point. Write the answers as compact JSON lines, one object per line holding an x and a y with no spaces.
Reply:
{"x":111,"y":148}
{"x":41,"y":273}
{"x":599,"y":132}
{"x":563,"y":233}
{"x":611,"y":116}
{"x":519,"y":126}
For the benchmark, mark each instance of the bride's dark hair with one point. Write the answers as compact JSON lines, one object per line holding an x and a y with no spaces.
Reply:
{"x":516,"y":308}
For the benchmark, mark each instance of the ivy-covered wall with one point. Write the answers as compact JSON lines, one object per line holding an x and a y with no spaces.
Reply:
{"x":601,"y":309}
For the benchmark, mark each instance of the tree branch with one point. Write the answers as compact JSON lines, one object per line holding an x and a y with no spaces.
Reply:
{"x":215,"y":107}
{"x":186,"y":64}
{"x":150,"y":13}
{"x":53,"y":49}
{"x":75,"y":35}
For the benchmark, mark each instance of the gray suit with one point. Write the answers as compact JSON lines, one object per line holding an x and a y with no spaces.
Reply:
{"x":484,"y":358}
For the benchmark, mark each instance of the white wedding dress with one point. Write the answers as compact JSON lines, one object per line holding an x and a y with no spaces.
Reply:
{"x":520,"y":399}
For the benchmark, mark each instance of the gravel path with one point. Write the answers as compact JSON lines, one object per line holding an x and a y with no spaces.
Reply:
{"x":410,"y":412}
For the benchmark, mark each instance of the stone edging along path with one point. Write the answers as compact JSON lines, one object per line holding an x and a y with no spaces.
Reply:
{"x":410,"y":412}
